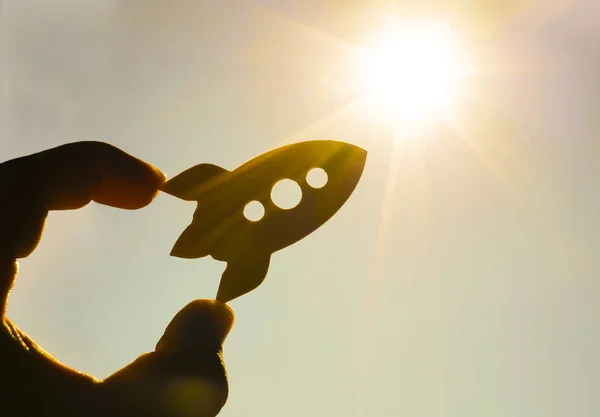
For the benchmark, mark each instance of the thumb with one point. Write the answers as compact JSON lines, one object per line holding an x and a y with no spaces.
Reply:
{"x":201,"y":325}
{"x":185,"y":375}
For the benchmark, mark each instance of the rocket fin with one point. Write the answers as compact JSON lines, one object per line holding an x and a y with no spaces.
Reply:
{"x":188,"y":245}
{"x":190,"y":184}
{"x":242,"y":275}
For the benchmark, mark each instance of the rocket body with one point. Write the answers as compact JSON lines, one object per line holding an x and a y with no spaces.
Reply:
{"x":219,"y":227}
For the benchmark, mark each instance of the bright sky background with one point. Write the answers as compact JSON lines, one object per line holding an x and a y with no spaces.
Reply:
{"x":461,"y":279}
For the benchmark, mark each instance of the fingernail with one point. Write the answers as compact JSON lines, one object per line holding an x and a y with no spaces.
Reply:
{"x":200,"y":324}
{"x":161,"y":176}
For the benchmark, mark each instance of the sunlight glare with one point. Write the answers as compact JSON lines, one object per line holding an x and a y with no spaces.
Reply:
{"x":413,"y":71}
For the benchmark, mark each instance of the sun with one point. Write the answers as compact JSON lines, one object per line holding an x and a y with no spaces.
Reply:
{"x":413,"y":71}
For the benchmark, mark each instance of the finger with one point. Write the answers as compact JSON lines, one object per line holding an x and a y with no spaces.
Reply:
{"x":72,"y":175}
{"x":202,"y":324}
{"x":186,"y":374}
{"x":68,"y":177}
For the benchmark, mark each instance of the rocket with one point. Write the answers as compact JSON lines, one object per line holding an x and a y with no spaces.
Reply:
{"x":219,"y":227}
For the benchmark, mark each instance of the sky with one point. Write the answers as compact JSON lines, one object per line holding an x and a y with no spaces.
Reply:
{"x":460,"y":279}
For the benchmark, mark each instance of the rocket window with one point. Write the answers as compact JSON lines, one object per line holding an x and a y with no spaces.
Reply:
{"x":286,"y":194}
{"x":254,"y":211}
{"x":317,"y":178}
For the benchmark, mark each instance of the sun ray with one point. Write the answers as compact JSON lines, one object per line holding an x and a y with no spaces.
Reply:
{"x":464,"y":132}
{"x":306,"y":30}
{"x":463,"y":135}
{"x":366,"y":326}
{"x":364,"y":330}
{"x":335,"y":116}
{"x":387,"y":209}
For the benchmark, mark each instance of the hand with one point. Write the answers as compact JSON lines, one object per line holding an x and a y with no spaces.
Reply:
{"x":184,"y":376}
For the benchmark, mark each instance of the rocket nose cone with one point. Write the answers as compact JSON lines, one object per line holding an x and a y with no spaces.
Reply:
{"x":345,"y":147}
{"x":348,"y":152}
{"x":358,"y":152}
{"x":355,"y":159}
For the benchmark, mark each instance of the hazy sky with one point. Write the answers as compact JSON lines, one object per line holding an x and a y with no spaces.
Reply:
{"x":479,"y":264}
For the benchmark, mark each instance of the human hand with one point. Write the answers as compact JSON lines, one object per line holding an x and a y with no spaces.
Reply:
{"x":185,"y":374}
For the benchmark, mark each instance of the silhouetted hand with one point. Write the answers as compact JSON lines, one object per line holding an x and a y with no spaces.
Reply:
{"x":184,"y":376}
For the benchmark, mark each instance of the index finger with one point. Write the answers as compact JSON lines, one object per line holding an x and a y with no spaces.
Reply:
{"x":66,"y":177}
{"x":72,"y":175}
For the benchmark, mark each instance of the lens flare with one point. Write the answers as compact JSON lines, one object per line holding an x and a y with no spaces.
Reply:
{"x":413,"y":71}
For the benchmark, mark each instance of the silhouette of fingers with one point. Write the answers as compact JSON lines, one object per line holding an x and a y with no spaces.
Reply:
{"x":185,"y":375}
{"x":72,"y":175}
{"x":62,"y":178}
{"x":68,"y":177}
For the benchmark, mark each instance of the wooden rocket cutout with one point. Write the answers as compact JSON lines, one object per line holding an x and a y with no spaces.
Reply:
{"x":219,"y":227}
